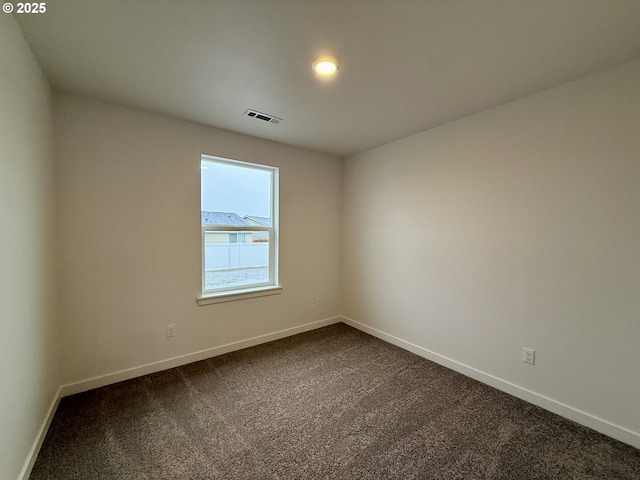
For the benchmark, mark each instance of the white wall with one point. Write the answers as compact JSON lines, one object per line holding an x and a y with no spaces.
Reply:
{"x":29,"y":378}
{"x":129,"y":236}
{"x":519,"y":226}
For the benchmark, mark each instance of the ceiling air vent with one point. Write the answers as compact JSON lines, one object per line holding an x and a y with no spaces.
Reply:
{"x":265,"y":117}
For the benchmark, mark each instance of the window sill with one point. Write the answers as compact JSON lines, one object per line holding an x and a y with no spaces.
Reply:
{"x":233,"y":295}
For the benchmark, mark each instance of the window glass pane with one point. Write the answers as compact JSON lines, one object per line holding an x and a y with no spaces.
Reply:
{"x":231,"y":264}
{"x":237,"y":191}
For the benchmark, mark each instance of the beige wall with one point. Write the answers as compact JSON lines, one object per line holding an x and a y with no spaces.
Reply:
{"x":29,"y":378}
{"x":125,"y":175}
{"x":519,"y":226}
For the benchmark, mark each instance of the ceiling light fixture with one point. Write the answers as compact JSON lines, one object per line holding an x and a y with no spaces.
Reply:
{"x":325,"y":65}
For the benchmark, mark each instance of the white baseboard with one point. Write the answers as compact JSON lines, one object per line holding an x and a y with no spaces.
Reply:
{"x":42,"y":432}
{"x":134,"y":372}
{"x":104,"y":380}
{"x":612,"y":430}
{"x":602,"y":426}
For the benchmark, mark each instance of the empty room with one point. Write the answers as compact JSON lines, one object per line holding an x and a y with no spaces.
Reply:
{"x":305,"y":239}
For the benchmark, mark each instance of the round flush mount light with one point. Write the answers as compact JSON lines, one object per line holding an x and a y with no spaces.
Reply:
{"x":325,"y":65}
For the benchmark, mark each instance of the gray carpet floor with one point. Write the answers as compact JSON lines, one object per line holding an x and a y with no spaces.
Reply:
{"x":333,"y":403}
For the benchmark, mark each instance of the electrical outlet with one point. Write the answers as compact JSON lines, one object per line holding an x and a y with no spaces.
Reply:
{"x":319,"y":301}
{"x":528,"y":355}
{"x":170,"y":331}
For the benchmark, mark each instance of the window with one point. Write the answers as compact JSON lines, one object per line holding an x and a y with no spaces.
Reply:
{"x":239,"y":222}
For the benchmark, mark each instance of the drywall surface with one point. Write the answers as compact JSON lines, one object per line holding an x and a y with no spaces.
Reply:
{"x":29,"y":378}
{"x":130,"y":247}
{"x":517,"y":227}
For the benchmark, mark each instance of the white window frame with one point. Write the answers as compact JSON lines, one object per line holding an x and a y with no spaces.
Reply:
{"x":271,"y":287}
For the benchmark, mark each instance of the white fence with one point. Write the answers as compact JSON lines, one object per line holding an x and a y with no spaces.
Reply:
{"x":235,"y":255}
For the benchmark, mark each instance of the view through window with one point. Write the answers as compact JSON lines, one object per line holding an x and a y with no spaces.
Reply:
{"x":239,"y":225}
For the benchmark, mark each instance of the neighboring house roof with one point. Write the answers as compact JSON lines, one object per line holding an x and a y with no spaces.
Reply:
{"x":254,"y":220}
{"x":222,"y":218}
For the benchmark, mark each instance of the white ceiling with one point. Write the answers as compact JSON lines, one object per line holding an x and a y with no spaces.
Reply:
{"x":406,"y":65}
